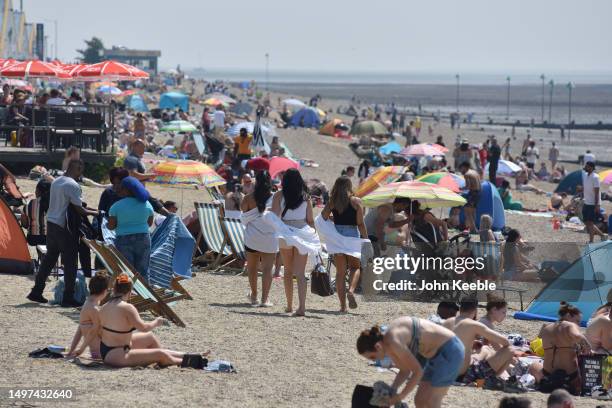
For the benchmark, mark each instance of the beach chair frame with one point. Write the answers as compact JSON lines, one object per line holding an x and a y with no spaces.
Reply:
{"x":219,"y":252}
{"x":147,"y":298}
{"x":233,"y":232}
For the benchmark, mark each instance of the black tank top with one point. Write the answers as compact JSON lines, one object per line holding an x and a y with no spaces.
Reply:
{"x":348,"y":217}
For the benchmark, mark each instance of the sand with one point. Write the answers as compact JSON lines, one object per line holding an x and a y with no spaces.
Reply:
{"x":281,"y":361}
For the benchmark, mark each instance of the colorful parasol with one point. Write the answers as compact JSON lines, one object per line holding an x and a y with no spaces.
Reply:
{"x":606,"y":176}
{"x":382,"y":176}
{"x":452,"y":181}
{"x":215,"y":102}
{"x":504,"y":168}
{"x":113,"y":70}
{"x":429,"y":195}
{"x":423,"y":149}
{"x":33,"y":69}
{"x":179,"y":126}
{"x":186,"y":172}
{"x":281,"y":164}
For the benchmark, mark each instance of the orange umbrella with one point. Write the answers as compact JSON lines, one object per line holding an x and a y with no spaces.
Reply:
{"x":382,"y":176}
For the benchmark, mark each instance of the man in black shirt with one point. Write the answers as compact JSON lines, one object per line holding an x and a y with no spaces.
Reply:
{"x":494,"y":155}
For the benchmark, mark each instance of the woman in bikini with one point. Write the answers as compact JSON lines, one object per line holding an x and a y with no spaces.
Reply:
{"x":98,"y":289}
{"x":562,"y":342}
{"x":428,"y":356}
{"x":120,"y":344}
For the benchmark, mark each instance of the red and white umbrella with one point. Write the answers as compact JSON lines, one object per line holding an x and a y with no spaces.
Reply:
{"x":33,"y":69}
{"x":73,"y":69}
{"x":112,"y":70}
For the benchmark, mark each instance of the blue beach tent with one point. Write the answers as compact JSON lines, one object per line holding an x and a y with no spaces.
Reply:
{"x":584,"y":284}
{"x":569,"y":183}
{"x":391,"y":147}
{"x":137,"y":104}
{"x":490,"y":203}
{"x":306,"y":117}
{"x":170,"y":100}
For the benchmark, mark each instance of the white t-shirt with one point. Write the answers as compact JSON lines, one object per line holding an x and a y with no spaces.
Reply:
{"x":589,"y":183}
{"x":64,"y":190}
{"x":588,"y":157}
{"x":219,"y":119}
{"x":532,"y":154}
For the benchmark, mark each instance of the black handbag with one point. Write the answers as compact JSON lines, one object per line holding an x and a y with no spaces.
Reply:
{"x":320,"y":281}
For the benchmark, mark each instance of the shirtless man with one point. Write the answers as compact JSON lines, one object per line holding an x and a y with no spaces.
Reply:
{"x":599,"y":333}
{"x":377,"y":218}
{"x":488,"y":362}
{"x":562,"y":341}
{"x":472,"y":184}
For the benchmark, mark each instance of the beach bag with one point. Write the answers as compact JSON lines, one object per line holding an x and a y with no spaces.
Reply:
{"x":80,"y":289}
{"x":320,"y":281}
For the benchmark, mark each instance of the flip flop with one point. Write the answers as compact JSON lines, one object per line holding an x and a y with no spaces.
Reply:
{"x":351,"y":300}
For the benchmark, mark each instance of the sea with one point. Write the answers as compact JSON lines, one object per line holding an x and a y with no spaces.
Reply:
{"x":525,"y":96}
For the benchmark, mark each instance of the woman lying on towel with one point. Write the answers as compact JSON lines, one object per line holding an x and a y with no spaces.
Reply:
{"x":126,"y":340}
{"x":428,"y":356}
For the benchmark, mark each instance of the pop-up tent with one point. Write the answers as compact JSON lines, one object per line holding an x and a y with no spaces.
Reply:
{"x":171,"y":100}
{"x":331,"y":126}
{"x":306,"y":117}
{"x":137,"y":104}
{"x":569,"y":183}
{"x":14,"y":255}
{"x":584,"y":284}
{"x":490,"y":203}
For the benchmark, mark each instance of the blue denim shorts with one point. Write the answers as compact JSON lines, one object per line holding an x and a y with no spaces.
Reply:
{"x":348,"y":230}
{"x":442,"y":369}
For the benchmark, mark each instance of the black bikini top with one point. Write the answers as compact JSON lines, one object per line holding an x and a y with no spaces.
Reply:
{"x":118,"y":331}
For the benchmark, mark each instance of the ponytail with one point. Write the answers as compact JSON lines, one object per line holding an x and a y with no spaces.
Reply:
{"x":368,"y":338}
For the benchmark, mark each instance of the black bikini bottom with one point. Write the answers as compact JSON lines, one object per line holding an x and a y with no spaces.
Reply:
{"x":104,"y":349}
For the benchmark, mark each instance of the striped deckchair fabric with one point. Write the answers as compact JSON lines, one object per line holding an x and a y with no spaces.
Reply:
{"x":219,"y":251}
{"x":491,"y":252}
{"x":234,"y":233}
{"x":146,"y":297}
{"x":171,"y":248}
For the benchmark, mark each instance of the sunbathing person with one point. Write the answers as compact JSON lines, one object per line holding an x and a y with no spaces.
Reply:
{"x":428,"y":356}
{"x":599,"y":332}
{"x":515,"y":264}
{"x":604,"y":309}
{"x":98,"y":289}
{"x":488,"y":362}
{"x":497,"y":309}
{"x":120,"y":344}
{"x":562,"y":341}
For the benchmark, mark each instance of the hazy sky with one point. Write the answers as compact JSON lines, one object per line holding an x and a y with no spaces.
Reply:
{"x":395,"y":35}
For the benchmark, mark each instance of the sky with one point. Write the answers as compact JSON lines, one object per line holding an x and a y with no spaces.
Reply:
{"x":344,"y":35}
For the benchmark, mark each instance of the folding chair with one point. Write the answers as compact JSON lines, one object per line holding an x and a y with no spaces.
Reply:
{"x":491,"y":253}
{"x":233,"y":230}
{"x":156,"y":300}
{"x":219,"y":253}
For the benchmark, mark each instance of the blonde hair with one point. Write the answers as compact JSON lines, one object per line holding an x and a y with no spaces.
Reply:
{"x":340,"y":197}
{"x":486,"y":222}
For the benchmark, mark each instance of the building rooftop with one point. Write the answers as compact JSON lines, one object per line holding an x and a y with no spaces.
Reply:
{"x":125,"y":52}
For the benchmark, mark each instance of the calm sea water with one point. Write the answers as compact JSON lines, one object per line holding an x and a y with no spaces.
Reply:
{"x":484,"y":94}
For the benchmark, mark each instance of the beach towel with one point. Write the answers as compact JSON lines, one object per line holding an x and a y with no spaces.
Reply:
{"x":334,"y":242}
{"x":305,"y":239}
{"x":220,"y":366}
{"x":258,"y":235}
{"x":171,"y":250}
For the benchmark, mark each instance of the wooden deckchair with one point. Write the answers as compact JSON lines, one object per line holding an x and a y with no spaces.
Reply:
{"x":156,"y":300}
{"x":233,"y":231}
{"x":219,"y":252}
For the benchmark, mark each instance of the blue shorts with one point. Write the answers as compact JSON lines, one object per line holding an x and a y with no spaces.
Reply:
{"x":348,"y":230}
{"x":442,"y":369}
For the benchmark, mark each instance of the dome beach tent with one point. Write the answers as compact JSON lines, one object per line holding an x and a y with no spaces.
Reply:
{"x":490,"y":203}
{"x":137,"y":103}
{"x":14,"y":254}
{"x":306,"y":117}
{"x":585,"y":284}
{"x":569,"y":183}
{"x":170,"y":100}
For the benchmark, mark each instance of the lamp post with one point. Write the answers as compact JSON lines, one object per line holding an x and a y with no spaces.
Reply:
{"x":570,"y":86}
{"x":551,"y":84}
{"x":457,"y":78}
{"x":267,"y":71}
{"x":543,"y":78}
{"x":508,"y":101}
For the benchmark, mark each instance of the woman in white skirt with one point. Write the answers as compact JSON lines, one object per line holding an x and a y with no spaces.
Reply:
{"x":260,"y":242}
{"x":294,"y":208}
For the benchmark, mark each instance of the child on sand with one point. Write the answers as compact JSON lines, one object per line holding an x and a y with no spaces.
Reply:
{"x":98,"y":289}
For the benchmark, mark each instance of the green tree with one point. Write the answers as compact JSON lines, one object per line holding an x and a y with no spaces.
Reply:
{"x":93,"y":51}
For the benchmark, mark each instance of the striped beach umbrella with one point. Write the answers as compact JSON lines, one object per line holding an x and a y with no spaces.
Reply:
{"x":453,"y":182}
{"x":33,"y":69}
{"x":186,"y":172}
{"x":382,"y":176}
{"x":427,"y":194}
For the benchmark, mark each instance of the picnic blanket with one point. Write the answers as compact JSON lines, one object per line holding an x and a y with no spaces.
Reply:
{"x":171,"y":251}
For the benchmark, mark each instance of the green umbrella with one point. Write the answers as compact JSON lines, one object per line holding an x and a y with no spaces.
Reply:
{"x":369,"y":127}
{"x":179,"y":126}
